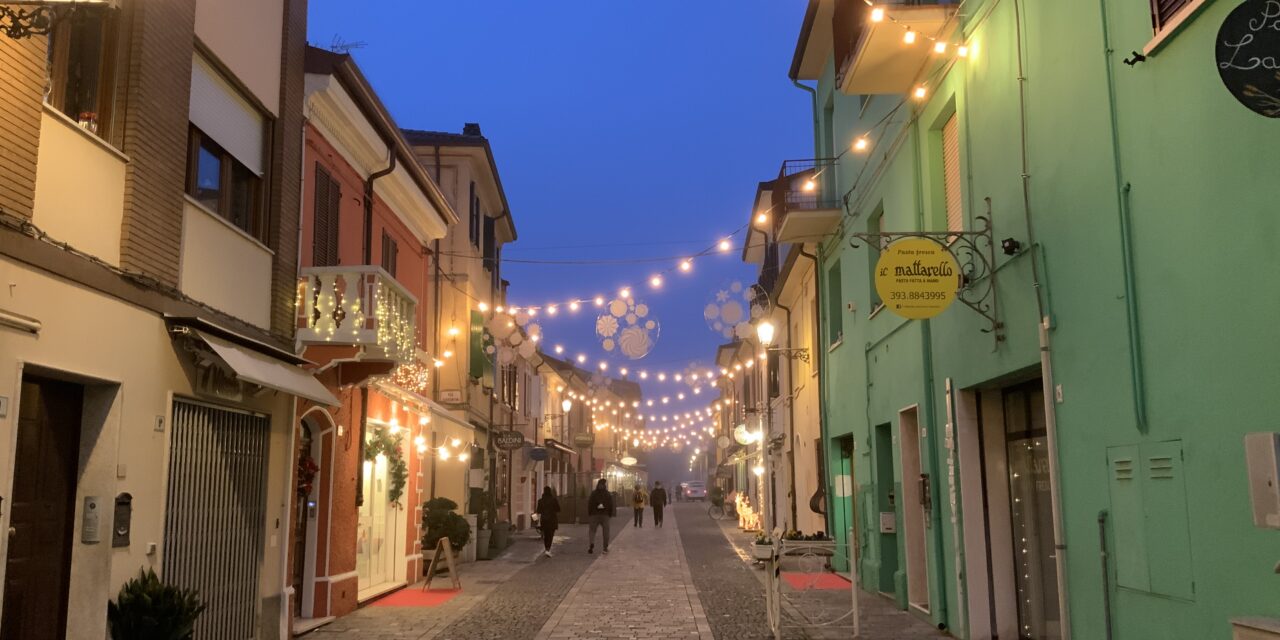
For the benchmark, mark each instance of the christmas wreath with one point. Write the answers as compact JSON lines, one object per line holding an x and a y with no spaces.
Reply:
{"x":381,"y":441}
{"x":307,"y":470}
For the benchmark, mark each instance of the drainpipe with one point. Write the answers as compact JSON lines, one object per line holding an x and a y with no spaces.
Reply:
{"x":813,"y":101}
{"x":1106,"y":582}
{"x":364,"y":417}
{"x":1046,"y":350}
{"x":939,"y":610}
{"x":368,"y":204}
{"x":822,"y":411}
{"x":791,"y":421}
{"x":1126,"y":239}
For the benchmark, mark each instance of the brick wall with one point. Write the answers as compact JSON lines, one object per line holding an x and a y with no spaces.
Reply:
{"x":155,"y":90}
{"x":21,"y":94}
{"x":286,"y":158}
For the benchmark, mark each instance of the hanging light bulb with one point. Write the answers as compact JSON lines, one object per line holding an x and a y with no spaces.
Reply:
{"x":809,"y":185}
{"x":725,"y":245}
{"x":573,"y":306}
{"x":861,"y":143}
{"x":686,"y":265}
{"x":655,"y":281}
{"x":559,"y":349}
{"x":939,"y":47}
{"x":877,"y":14}
{"x":909,"y":37}
{"x":582,"y":358}
{"x":462,"y":457}
{"x":920,"y":92}
{"x":599,"y":301}
{"x":962,"y":51}
{"x":551,"y":310}
{"x":455,"y":443}
{"x":454,"y":331}
{"x":762,"y":218}
{"x":624,"y":293}
{"x":482,"y":307}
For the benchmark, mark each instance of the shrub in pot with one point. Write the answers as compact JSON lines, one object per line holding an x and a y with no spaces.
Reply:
{"x":439,"y":520}
{"x":148,"y":609}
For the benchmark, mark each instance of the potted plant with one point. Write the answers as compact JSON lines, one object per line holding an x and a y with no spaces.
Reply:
{"x":440,"y":521}
{"x":763,"y":547}
{"x":148,"y":608}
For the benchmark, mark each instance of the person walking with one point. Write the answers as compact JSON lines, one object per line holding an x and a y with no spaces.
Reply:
{"x":659,"y":500}
{"x":548,"y":518}
{"x":600,"y":508}
{"x":638,"y":500}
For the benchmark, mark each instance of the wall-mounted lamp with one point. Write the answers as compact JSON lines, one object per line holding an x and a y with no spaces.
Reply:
{"x":1010,"y":246}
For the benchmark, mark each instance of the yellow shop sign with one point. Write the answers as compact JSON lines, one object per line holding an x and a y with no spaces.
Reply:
{"x":917,"y":278}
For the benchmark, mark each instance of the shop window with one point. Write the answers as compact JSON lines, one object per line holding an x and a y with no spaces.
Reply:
{"x":223,"y":185}
{"x":81,"y":68}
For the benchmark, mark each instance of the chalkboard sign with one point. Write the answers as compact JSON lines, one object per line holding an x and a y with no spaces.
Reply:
{"x":1248,"y":55}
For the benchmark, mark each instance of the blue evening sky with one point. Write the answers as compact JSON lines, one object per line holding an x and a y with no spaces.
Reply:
{"x":622,"y":130}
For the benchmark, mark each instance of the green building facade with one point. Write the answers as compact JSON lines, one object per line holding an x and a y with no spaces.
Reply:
{"x":1115,"y":210}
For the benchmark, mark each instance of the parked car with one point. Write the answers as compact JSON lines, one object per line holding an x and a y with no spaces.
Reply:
{"x":695,"y":490}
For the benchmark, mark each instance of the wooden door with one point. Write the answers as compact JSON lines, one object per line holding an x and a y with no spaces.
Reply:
{"x":38,"y":567}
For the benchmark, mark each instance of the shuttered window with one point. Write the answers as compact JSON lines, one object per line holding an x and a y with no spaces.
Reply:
{"x":328,"y":201}
{"x":390,"y":253}
{"x":1150,"y":519}
{"x":951,"y":175}
{"x":1163,"y":11}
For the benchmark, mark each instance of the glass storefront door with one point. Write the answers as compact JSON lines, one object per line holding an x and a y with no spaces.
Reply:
{"x":376,"y":532}
{"x":1031,"y":513}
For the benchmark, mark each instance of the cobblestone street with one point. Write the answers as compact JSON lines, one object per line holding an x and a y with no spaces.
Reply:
{"x":691,"y":579}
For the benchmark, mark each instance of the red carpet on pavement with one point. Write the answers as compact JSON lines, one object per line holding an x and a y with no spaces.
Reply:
{"x":821,"y":581}
{"x":412,"y":596}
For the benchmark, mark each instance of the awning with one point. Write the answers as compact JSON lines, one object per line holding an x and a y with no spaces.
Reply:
{"x":556,"y":444}
{"x":266,"y":371}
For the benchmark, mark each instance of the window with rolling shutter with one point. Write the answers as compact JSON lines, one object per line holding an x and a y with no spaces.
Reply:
{"x":951,"y":175}
{"x":1163,"y":12}
{"x":328,"y":203}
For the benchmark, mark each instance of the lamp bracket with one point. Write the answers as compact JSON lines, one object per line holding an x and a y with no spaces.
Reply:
{"x":975,"y":252}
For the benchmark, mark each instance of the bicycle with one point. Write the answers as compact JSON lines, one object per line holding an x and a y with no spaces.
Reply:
{"x":718,"y":511}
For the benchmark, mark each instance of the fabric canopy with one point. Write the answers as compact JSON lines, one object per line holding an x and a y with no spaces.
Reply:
{"x":263,"y":370}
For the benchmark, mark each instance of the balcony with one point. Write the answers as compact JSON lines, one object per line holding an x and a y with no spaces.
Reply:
{"x":360,"y":306}
{"x":806,"y":193}
{"x":873,"y":56}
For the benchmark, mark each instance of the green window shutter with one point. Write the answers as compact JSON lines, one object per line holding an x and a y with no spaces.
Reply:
{"x":1128,"y":520}
{"x":1169,"y":537}
{"x":477,"y":356}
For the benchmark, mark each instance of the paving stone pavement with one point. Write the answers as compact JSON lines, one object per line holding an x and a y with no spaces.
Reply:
{"x":641,"y":589}
{"x":879,"y":617}
{"x":509,"y":597}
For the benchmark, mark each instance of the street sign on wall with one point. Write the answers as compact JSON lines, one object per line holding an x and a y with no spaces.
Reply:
{"x":508,"y":440}
{"x":538,"y":454}
{"x":917,"y":278}
{"x":1248,"y":55}
{"x":584,"y":439}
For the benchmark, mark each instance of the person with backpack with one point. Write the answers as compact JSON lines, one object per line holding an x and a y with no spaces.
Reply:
{"x":659,"y":500}
{"x":638,"y":500}
{"x":600,"y":508}
{"x":548,"y":518}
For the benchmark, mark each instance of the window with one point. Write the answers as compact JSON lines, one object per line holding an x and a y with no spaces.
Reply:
{"x":835,"y":304}
{"x":774,"y":375}
{"x":81,"y":69}
{"x":327,"y":218}
{"x":875,"y":225}
{"x":223,"y":185}
{"x":473,"y":220}
{"x":1164,"y":11}
{"x":390,"y":253}
{"x":951,"y":176}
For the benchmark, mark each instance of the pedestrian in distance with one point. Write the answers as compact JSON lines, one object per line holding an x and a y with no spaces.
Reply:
{"x":548,"y":518}
{"x":600,"y":508}
{"x":659,"y":500}
{"x":638,"y":500}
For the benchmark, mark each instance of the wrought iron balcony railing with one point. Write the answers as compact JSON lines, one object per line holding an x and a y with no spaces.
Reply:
{"x":810,"y":185}
{"x":357,"y":305}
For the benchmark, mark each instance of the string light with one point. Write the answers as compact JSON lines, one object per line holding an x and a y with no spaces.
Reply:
{"x":920,"y":92}
{"x":861,"y":143}
{"x":482,"y":307}
{"x":686,"y":265}
{"x":655,"y":281}
{"x":939,"y":47}
{"x":909,"y":37}
{"x":725,"y":245}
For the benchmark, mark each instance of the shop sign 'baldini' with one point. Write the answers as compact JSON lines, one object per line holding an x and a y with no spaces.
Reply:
{"x":509,"y":440}
{"x":917,"y":278}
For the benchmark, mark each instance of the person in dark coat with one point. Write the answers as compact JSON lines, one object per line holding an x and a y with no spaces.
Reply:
{"x":658,"y":498}
{"x":600,"y":508}
{"x":548,"y":518}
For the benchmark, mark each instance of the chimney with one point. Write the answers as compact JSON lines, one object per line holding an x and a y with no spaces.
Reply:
{"x":471,"y":129}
